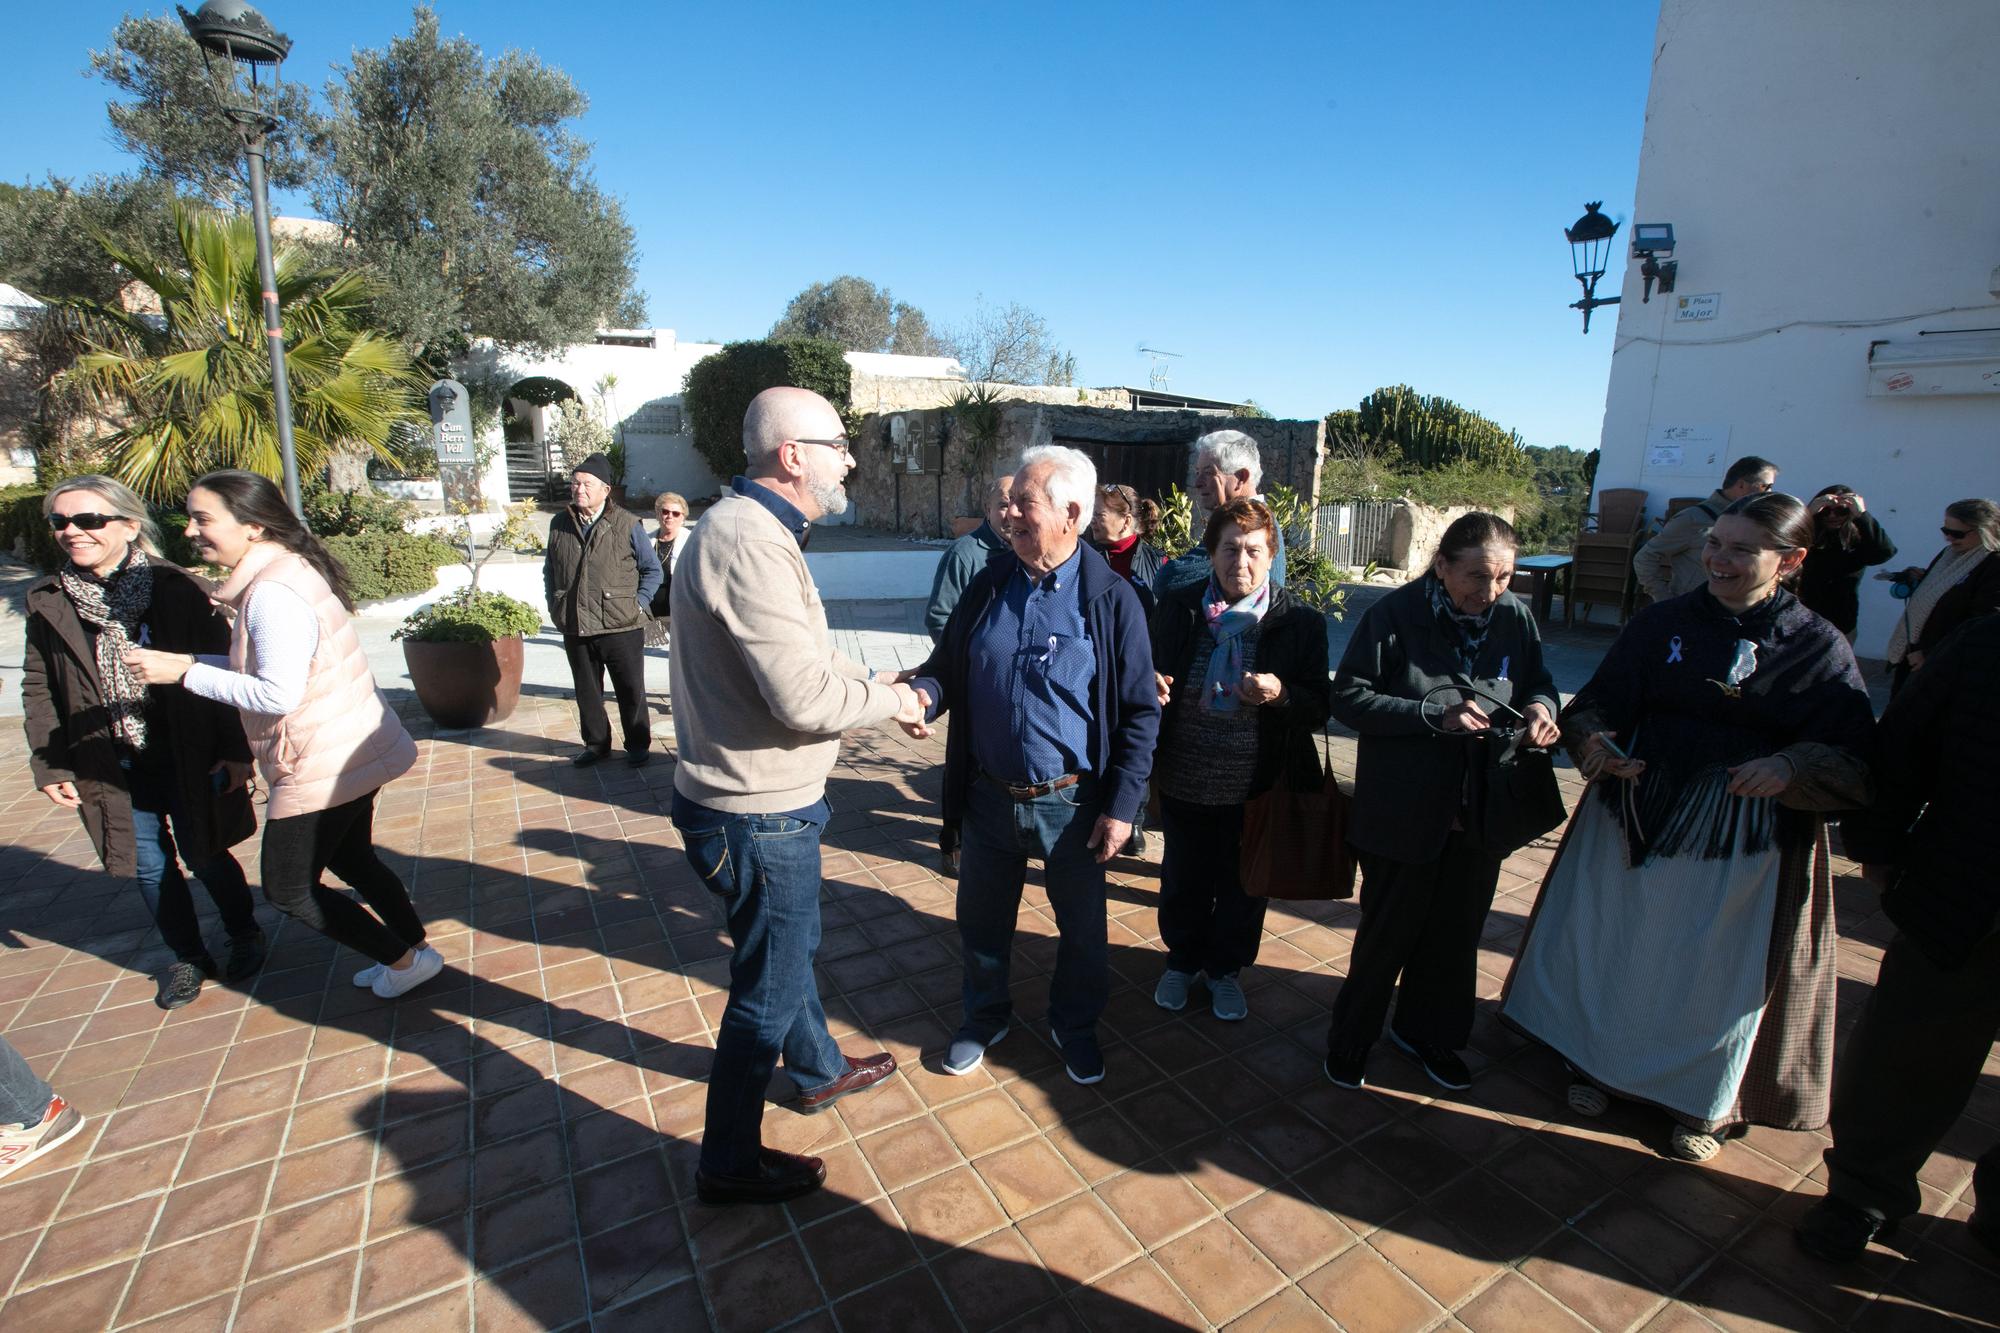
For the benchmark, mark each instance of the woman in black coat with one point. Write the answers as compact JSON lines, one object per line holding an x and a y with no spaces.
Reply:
{"x":157,"y":775}
{"x":1846,"y":540}
{"x":1243,"y":686}
{"x":1425,"y":887}
{"x":1961,"y":583}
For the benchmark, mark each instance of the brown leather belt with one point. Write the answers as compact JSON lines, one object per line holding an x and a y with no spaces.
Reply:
{"x":1039,"y":789}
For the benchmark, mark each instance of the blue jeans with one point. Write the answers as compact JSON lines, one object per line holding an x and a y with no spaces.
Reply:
{"x":24,"y":1098}
{"x":165,"y":889}
{"x":764,"y":872}
{"x":998,"y":836}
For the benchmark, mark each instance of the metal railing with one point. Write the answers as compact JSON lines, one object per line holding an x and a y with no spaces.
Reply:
{"x":1352,"y":533}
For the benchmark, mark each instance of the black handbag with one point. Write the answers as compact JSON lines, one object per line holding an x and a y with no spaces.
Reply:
{"x":1511,"y":796}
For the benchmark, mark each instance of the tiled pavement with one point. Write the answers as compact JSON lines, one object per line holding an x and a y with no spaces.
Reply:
{"x":512,"y":1145}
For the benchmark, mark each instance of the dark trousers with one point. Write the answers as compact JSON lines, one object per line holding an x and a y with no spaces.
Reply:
{"x":163,"y":886}
{"x":297,"y":849}
{"x":1421,"y":922}
{"x":623,"y":655}
{"x":999,"y":835}
{"x":764,"y":871}
{"x":1206,"y":920}
{"x":1907,"y":1071}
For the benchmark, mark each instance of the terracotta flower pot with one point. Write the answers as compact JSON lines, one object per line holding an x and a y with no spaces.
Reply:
{"x":466,"y":684}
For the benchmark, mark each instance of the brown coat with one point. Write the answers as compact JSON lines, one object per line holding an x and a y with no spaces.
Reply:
{"x":69,"y":730}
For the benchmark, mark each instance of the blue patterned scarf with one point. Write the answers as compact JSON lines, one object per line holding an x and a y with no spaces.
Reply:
{"x":1228,"y":624}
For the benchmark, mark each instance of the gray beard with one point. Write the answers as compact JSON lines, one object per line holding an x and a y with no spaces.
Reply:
{"x":830,"y":496}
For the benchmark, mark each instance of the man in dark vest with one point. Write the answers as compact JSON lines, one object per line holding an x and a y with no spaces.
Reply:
{"x":600,"y":577}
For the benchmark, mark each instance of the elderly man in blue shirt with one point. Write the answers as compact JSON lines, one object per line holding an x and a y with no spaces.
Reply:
{"x":1046,"y":664}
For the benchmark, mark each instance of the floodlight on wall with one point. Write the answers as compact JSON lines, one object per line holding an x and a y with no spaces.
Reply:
{"x":1652,"y":242}
{"x":1590,"y":249}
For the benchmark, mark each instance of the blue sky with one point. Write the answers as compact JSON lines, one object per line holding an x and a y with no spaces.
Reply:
{"x":1305,"y":201}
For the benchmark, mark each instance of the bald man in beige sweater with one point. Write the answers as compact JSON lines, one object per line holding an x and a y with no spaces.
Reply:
{"x":760,"y":700}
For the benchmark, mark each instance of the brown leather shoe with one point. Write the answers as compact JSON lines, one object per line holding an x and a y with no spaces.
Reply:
{"x":780,"y":1176}
{"x":863,"y":1073}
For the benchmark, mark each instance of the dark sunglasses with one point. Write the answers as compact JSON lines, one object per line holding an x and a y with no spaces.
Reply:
{"x":84,"y":522}
{"x":1951,"y":534}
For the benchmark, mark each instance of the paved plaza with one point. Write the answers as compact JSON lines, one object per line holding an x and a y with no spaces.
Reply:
{"x":513,"y":1145}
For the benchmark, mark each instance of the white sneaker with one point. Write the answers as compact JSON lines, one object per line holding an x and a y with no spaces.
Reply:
{"x":427,"y":964}
{"x":365,"y":978}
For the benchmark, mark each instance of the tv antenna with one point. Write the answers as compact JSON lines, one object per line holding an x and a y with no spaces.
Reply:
{"x":1158,"y":377}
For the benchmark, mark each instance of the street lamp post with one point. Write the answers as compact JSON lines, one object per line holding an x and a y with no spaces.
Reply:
{"x":246,"y":42}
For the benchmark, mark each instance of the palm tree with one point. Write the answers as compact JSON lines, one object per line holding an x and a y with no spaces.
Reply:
{"x":192,"y":385}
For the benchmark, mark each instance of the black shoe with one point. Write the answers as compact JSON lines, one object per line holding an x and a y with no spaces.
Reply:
{"x":1838,"y":1231}
{"x":638,"y":758}
{"x":1135,"y":846}
{"x":246,"y":956}
{"x":181,"y":983}
{"x":588,"y":757}
{"x":948,"y":863}
{"x":1348,"y":1069}
{"x":1083,"y":1061}
{"x":1444,"y":1067}
{"x":780,"y":1176}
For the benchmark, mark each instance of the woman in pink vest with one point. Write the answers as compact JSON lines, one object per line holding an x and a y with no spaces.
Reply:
{"x":324,"y":739}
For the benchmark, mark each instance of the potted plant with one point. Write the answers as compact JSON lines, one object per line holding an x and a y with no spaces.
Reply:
{"x":464,"y":651}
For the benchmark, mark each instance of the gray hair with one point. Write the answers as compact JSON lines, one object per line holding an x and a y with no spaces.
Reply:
{"x":1232,"y":451}
{"x":1072,"y":476}
{"x":122,"y":499}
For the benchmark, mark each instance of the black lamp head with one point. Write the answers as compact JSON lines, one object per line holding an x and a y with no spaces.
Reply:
{"x":233,"y":30}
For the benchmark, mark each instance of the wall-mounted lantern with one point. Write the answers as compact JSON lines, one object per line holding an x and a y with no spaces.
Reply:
{"x":1590,"y":250}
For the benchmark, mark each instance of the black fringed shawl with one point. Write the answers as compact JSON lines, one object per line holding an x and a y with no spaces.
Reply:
{"x":1665,"y":690}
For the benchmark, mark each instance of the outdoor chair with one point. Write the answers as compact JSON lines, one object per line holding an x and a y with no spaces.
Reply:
{"x":1600,"y":573}
{"x":1680,"y":502}
{"x":1622,"y":509}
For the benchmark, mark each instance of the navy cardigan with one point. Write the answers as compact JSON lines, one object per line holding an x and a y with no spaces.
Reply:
{"x":1125,"y":704}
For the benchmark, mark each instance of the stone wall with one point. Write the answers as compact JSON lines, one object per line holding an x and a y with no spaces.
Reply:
{"x":885,"y":494}
{"x":1415,"y":531}
{"x":873,"y":393}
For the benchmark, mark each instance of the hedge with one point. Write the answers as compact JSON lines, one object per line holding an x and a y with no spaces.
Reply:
{"x":720,"y":386}
{"x":24,"y":533}
{"x":390,"y":564}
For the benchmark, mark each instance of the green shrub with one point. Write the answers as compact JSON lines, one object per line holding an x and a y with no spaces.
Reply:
{"x":174,"y":544}
{"x":720,"y":386}
{"x":22,"y":526}
{"x":345,"y":513}
{"x":390,"y":564}
{"x":471,"y":616}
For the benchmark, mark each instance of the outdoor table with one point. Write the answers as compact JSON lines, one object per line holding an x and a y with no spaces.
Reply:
{"x":1541,"y":571}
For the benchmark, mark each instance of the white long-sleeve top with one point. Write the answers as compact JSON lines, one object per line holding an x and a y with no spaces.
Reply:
{"x":284,"y":635}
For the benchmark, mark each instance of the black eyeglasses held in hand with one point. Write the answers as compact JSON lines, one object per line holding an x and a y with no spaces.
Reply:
{"x":84,"y":522}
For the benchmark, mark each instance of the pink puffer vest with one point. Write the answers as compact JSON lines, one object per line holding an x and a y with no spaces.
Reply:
{"x":342,"y":741}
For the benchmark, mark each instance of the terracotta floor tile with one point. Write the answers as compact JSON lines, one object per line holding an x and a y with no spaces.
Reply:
{"x":1662,"y":1253}
{"x":609,"y":1196}
{"x":85,"y":1302}
{"x":523,"y":1224}
{"x":1590,"y":1282}
{"x":419,"y":1195}
{"x":1220,"y":1271}
{"x":205,"y":1317}
{"x":163,"y":1077}
{"x":266,"y":1054}
{"x":517,"y":1163}
{"x":910,"y":1152}
{"x":411,"y":1264}
{"x":763,"y":1289}
{"x":186,"y":1273}
{"x":985,"y":1122}
{"x":1293,"y":1233}
{"x":257,"y":1095}
{"x":911,"y":1300}
{"x":1494,"y":1216}
{"x":1290,"y":1311}
{"x":91,"y":1242}
{"x":887,"y":1103}
{"x":1364,"y":1294}
{"x":948,"y":1210}
{"x":993,"y":1280}
{"x":323,"y":1170}
{"x":112,"y":1180}
{"x":1080,"y":1240}
{"x":1515,"y":1305}
{"x":137,"y":1126}
{"x":1285,"y":1137}
{"x":447,"y":1309}
{"x":675,"y":1307}
{"x":1224,"y":1169}
{"x":309,"y":1232}
{"x":1350,"y":1187}
{"x":1099,"y":1145}
{"x":1028,"y":1177}
{"x":303,"y":1301}
{"x":1154,"y":1203}
{"x":858,"y":1247}
{"x":631,"y":1260}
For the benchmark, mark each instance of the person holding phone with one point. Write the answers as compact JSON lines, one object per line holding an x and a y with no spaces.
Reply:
{"x":1681,"y":952}
{"x":159,"y":776}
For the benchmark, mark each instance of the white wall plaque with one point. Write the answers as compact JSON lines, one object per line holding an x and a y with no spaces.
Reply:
{"x":1698,"y":308}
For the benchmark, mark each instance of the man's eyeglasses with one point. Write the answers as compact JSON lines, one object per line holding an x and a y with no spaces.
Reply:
{"x":1950,"y":534}
{"x":839,"y":442}
{"x":84,"y":522}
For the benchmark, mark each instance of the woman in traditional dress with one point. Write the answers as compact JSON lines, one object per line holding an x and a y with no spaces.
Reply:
{"x":1426,"y":886}
{"x":325,"y":740}
{"x":1243,"y":690}
{"x":1682,"y":950}
{"x":158,"y":775}
{"x":1962,"y":581}
{"x":1846,"y":540}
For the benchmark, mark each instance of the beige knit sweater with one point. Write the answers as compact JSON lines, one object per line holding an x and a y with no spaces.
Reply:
{"x":760,"y":696}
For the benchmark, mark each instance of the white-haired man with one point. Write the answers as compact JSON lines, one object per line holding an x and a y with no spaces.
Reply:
{"x":1047,"y":670}
{"x":1226,"y":467}
{"x":757,"y":730}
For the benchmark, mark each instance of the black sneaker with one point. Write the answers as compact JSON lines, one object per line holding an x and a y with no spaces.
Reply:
{"x":1444,"y":1067}
{"x":246,"y":956}
{"x":180,"y":984}
{"x":1838,"y":1231}
{"x":1135,"y":846}
{"x":1083,"y":1061}
{"x":587,"y":758}
{"x":638,"y":758}
{"x":1347,"y":1069}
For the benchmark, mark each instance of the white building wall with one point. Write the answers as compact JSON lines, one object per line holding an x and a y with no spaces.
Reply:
{"x":1832,"y":172}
